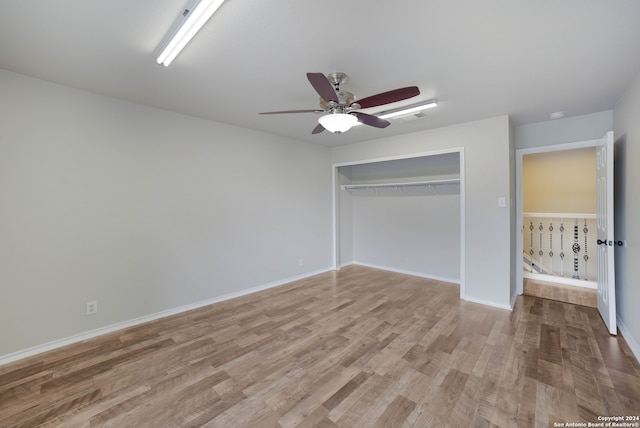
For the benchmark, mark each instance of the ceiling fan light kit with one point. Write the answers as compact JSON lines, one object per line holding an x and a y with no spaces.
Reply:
{"x":342,"y":108}
{"x":194,"y":15}
{"x":337,"y":122}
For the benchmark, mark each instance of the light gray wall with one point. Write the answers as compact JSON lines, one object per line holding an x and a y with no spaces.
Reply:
{"x":344,"y":219}
{"x":487,"y":172}
{"x":417,"y":233}
{"x":560,"y":131}
{"x":627,"y":209}
{"x":142,"y":210}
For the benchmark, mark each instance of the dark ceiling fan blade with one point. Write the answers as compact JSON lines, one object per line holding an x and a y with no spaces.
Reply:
{"x":371,"y":120}
{"x":318,"y":129}
{"x":292,"y":111}
{"x":389,"y":97}
{"x":323,"y":87}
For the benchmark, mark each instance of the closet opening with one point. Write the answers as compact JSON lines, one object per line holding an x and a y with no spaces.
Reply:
{"x":402,"y":214}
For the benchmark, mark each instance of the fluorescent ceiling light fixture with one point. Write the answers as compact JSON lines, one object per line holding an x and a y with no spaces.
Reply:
{"x":337,"y":122}
{"x":407,"y":110}
{"x":195,"y":14}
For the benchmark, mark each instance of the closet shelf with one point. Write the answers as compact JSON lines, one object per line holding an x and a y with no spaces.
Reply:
{"x":405,"y":184}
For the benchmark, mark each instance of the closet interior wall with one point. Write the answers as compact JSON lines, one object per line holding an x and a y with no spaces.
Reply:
{"x":402,"y":215}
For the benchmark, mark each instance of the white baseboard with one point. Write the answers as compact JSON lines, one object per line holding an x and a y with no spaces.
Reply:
{"x":631,"y":341}
{"x":345,"y":264}
{"x":18,"y":355}
{"x":406,"y":272}
{"x":487,"y":303}
{"x":437,"y":278}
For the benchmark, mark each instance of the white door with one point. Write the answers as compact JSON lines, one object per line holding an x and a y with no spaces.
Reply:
{"x":604,"y":214}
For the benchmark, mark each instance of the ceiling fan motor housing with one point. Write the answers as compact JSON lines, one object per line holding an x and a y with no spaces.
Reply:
{"x":345,"y":98}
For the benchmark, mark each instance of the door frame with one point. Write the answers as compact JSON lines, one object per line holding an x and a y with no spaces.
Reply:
{"x":336,"y":203}
{"x":520,"y":153}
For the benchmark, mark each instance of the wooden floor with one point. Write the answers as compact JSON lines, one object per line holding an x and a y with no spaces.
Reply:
{"x":354,"y":348}
{"x":561,"y":292}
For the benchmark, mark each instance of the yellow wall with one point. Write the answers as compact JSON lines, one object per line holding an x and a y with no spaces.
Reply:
{"x":560,"y":182}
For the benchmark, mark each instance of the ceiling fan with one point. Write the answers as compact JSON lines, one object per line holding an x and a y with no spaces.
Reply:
{"x":342,"y":108}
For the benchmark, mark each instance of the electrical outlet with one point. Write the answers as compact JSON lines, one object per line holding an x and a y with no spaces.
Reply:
{"x":92,"y":307}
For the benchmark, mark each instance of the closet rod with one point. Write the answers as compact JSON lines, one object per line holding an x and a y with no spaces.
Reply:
{"x":407,"y":184}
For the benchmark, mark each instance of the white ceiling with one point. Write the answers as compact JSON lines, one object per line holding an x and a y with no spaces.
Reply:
{"x":479,"y":58}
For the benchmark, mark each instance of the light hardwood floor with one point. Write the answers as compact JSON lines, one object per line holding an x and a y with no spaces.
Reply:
{"x":354,"y":348}
{"x":560,"y":292}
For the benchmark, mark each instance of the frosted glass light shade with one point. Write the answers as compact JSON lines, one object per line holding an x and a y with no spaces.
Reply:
{"x":337,"y":122}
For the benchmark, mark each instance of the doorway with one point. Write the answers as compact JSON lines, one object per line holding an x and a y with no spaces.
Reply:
{"x":556,"y":214}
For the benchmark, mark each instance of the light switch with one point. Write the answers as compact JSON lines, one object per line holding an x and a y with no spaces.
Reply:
{"x":502,"y":202}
